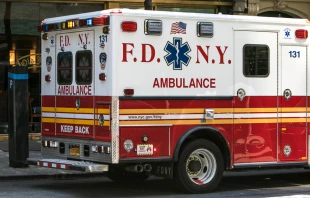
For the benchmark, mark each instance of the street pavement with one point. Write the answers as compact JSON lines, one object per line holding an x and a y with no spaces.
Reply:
{"x":36,"y":172}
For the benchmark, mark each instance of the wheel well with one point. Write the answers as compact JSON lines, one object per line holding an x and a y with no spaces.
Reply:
{"x":212,"y":135}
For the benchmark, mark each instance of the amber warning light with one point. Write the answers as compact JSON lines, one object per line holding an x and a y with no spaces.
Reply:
{"x":302,"y":34}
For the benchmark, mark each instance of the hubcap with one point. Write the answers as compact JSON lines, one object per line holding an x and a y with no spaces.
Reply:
{"x":201,"y":166}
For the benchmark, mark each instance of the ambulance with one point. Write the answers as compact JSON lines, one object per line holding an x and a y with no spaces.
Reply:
{"x":184,"y":96}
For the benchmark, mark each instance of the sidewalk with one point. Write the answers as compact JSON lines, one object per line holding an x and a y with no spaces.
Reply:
{"x":32,"y":172}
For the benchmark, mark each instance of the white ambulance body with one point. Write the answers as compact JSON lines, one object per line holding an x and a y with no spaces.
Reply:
{"x":181,"y":95}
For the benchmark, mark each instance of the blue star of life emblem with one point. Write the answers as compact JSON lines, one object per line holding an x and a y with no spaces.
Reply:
{"x":177,"y":53}
{"x":287,"y":33}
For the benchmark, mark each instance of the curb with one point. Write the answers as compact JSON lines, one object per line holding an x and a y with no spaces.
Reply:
{"x":52,"y":176}
{"x":31,"y":136}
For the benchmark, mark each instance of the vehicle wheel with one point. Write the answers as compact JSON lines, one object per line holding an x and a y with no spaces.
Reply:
{"x":123,"y":176}
{"x":200,"y":166}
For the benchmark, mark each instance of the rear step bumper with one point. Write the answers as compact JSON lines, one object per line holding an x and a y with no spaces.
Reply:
{"x":88,"y":167}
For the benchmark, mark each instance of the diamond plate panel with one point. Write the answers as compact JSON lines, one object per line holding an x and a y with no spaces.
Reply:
{"x":115,"y":129}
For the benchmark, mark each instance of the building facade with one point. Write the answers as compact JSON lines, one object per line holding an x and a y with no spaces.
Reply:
{"x":19,"y":20}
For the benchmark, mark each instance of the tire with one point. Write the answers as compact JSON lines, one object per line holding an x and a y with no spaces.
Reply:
{"x":200,"y":167}
{"x":120,"y":176}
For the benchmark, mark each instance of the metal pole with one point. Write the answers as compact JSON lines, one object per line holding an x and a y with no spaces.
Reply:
{"x":18,"y":116}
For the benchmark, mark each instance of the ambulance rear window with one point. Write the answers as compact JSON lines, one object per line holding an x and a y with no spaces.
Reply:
{"x":256,"y":60}
{"x":83,"y":74}
{"x":64,"y":68}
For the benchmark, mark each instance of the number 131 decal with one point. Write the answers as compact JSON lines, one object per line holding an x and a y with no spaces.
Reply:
{"x":294,"y":54}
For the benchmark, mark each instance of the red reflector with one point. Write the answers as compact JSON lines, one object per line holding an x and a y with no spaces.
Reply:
{"x":129,"y":92}
{"x":302,"y":34}
{"x":102,"y":77}
{"x":129,"y":26}
{"x":47,"y":78}
{"x":104,"y":20}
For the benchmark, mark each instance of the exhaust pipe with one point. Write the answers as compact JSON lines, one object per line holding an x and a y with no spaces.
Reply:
{"x":147,"y":167}
{"x":134,"y":168}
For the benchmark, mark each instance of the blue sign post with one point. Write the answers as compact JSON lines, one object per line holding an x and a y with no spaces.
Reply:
{"x":18,"y":109}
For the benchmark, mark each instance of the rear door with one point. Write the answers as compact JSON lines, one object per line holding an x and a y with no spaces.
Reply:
{"x":74,"y":86}
{"x":293,"y":104}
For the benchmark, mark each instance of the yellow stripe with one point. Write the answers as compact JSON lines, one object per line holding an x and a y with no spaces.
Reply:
{"x":74,"y":121}
{"x":177,"y":111}
{"x":298,"y":109}
{"x":74,"y":110}
{"x":48,"y":109}
{"x":103,"y":111}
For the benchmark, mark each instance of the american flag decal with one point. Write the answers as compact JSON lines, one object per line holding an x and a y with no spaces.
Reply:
{"x":178,"y":28}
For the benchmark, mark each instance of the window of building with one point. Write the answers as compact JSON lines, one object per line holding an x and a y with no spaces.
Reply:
{"x":256,"y":60}
{"x":83,"y":74}
{"x":64,"y":68}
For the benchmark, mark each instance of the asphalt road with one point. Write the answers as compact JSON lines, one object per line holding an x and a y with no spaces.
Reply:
{"x":284,"y":184}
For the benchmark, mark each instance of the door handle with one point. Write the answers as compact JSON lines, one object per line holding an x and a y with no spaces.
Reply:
{"x":287,"y":94}
{"x":101,"y":119}
{"x":241,"y":94}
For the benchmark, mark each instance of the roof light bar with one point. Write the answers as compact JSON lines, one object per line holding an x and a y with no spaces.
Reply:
{"x":75,"y":23}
